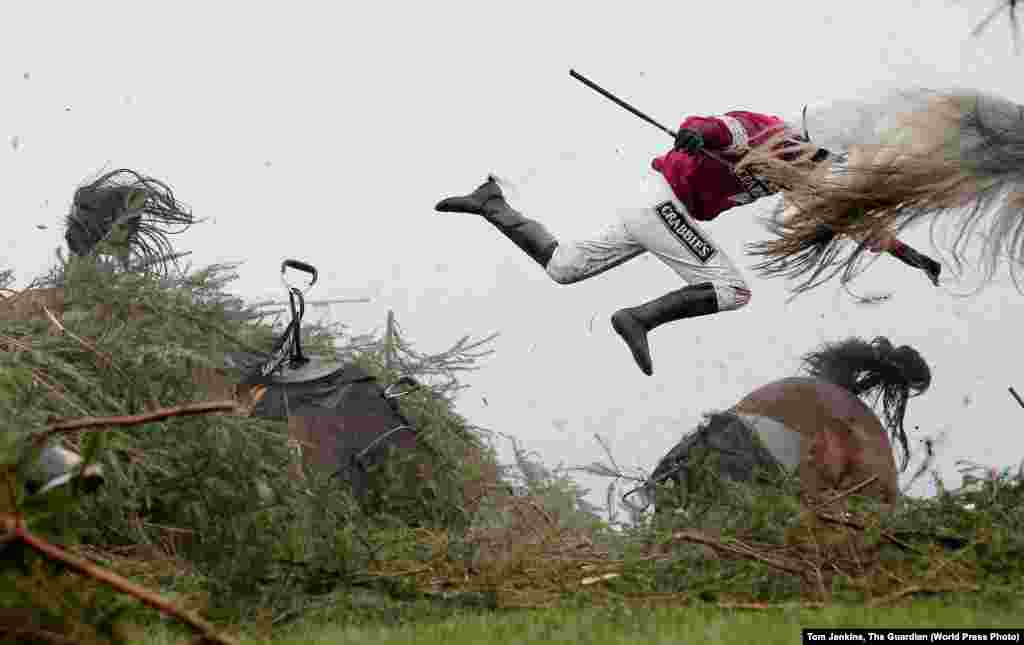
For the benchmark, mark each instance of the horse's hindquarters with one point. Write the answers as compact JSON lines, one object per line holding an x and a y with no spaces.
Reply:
{"x":841,"y":441}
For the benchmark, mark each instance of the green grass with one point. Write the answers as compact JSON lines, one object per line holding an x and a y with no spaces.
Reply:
{"x":616,"y":626}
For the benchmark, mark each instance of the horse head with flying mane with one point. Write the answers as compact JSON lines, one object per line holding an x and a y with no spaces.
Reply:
{"x":820,"y":425}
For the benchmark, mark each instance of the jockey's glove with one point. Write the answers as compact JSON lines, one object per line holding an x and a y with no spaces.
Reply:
{"x":689,"y":141}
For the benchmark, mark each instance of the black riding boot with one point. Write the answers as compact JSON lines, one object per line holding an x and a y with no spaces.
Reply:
{"x":488,"y":201}
{"x":921,"y":261}
{"x":632,"y":324}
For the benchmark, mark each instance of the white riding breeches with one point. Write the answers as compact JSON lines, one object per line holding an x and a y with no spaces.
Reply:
{"x":663,"y":227}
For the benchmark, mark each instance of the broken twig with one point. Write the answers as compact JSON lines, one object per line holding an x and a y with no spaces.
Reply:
{"x":87,"y":423}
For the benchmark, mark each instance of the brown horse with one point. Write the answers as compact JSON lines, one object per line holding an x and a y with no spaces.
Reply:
{"x":818,"y":425}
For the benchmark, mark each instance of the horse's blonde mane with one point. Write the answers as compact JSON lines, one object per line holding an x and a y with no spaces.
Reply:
{"x":958,"y":151}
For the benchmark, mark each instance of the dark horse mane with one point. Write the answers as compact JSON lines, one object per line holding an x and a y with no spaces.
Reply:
{"x":890,"y":374}
{"x":143,"y":205}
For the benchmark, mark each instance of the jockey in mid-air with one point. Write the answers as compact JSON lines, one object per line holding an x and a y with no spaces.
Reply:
{"x":694,"y":182}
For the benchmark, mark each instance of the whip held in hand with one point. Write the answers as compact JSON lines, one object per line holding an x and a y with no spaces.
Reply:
{"x":692,"y":142}
{"x":614,"y":99}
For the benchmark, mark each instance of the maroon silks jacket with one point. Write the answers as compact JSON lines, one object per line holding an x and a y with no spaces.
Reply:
{"x":706,"y":186}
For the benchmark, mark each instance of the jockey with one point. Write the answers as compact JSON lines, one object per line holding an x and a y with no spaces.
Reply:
{"x":694,"y":183}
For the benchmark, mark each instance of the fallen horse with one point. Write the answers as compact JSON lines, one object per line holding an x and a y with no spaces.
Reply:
{"x":817,"y":425}
{"x":339,"y":416}
{"x":338,"y":412}
{"x":343,"y":421}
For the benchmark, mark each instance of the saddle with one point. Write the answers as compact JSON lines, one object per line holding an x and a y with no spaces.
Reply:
{"x":337,"y":410}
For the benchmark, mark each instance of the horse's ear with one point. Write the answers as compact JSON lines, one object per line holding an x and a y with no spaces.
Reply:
{"x":135,"y":200}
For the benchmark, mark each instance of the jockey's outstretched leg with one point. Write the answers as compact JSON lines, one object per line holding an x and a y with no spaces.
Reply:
{"x":663,"y":226}
{"x":660,"y":226}
{"x":487,"y":200}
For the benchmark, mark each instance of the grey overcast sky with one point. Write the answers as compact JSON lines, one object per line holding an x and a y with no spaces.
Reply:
{"x":328,"y":131}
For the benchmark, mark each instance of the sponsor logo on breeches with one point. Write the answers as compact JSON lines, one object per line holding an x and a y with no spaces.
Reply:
{"x":684,"y":232}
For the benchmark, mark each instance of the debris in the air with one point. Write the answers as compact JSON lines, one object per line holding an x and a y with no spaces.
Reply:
{"x":42,"y":227}
{"x":967,"y":400}
{"x":867,"y":299}
{"x":67,"y":108}
{"x":15,"y":142}
{"x":484,"y":399}
{"x":874,"y":299}
{"x":26,"y":76}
